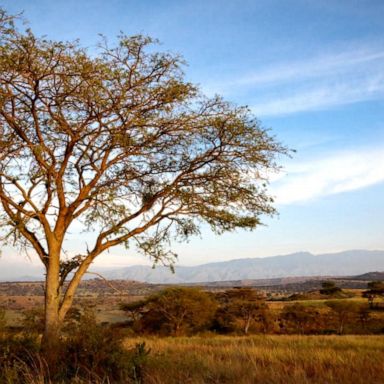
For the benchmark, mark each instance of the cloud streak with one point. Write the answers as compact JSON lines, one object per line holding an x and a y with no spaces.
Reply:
{"x":341,"y":172}
{"x":318,"y":67}
{"x":323,"y":96}
{"x":321,"y":82}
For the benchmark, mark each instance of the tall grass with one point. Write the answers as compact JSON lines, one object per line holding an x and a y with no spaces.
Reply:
{"x":265,"y":359}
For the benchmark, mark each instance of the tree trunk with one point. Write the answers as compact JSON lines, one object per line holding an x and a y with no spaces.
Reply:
{"x":177,"y":330}
{"x":247,"y":324}
{"x":371,"y":300}
{"x":51,"y":337}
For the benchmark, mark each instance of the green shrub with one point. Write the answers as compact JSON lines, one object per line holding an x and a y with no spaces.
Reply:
{"x":89,"y":353}
{"x":94,"y":352}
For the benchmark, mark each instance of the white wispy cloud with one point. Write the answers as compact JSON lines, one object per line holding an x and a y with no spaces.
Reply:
{"x":320,"y":82}
{"x":330,"y":64}
{"x":323,"y":96}
{"x":340,"y":172}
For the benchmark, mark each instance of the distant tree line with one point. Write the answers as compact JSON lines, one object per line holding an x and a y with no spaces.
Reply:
{"x":179,"y":311}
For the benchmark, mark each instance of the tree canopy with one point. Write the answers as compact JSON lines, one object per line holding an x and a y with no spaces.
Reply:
{"x":375,"y":289}
{"x":246,"y":304}
{"x":329,"y":288}
{"x":118,"y":142}
{"x":174,"y":311}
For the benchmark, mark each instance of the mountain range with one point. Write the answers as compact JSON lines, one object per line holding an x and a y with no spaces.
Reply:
{"x":302,"y":264}
{"x":297,"y":264}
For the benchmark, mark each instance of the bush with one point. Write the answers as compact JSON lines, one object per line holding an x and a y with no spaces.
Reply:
{"x":96,"y":355}
{"x":89,"y":353}
{"x":19,"y":358}
{"x":94,"y":352}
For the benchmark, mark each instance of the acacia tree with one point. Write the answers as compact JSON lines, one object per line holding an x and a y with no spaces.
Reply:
{"x":246,"y":304}
{"x":375,"y":289}
{"x":329,"y":288}
{"x":344,"y":311}
{"x":119,"y":143}
{"x":175,"y":311}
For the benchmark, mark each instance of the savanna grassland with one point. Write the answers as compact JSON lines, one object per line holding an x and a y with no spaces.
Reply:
{"x":264,"y":359}
{"x":137,"y":333}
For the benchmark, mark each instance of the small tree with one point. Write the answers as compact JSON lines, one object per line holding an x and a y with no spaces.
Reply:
{"x":364,"y":315}
{"x":329,"y":288}
{"x":177,"y":311}
{"x":375,"y":289}
{"x":119,"y":143}
{"x":344,"y":311}
{"x":245,"y":304}
{"x":135,"y":309}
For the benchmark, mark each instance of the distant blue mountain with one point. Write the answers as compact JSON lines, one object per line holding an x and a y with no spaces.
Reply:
{"x":296,"y":264}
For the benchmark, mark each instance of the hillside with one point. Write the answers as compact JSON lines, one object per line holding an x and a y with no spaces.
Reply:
{"x":370,"y":276}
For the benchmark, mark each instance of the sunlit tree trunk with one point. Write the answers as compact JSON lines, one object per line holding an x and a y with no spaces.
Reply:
{"x":51,"y":335}
{"x":247,"y":324}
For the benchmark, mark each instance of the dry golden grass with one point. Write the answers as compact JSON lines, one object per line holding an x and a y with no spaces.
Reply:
{"x":265,"y":359}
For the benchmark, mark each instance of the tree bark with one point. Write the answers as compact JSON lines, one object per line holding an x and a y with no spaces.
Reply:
{"x":51,"y":336}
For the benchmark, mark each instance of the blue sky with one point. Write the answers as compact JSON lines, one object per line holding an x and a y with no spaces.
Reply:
{"x":312,"y":71}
